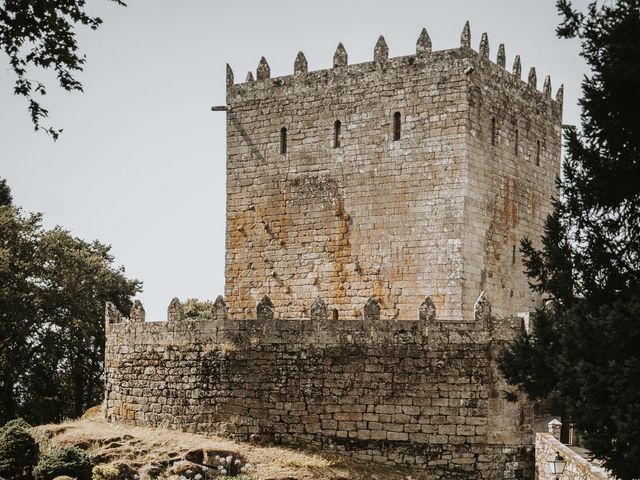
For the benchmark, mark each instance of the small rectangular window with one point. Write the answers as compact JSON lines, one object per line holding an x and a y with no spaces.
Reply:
{"x":513,"y":256}
{"x":336,"y":134}
{"x":538,"y":153}
{"x":396,"y":126}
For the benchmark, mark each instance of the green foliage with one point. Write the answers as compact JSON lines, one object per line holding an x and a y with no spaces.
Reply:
{"x":585,"y":345}
{"x":195,"y":309}
{"x":18,"y":450}
{"x":42,"y":35}
{"x":105,"y":472}
{"x":53,"y":288}
{"x":70,"y":461}
{"x":5,"y":193}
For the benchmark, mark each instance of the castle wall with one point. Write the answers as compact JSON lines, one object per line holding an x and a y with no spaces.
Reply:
{"x":508,"y":195}
{"x":423,"y":394}
{"x":373,"y":215}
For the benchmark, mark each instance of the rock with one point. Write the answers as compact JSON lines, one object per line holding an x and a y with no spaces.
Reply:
{"x":150,"y":472}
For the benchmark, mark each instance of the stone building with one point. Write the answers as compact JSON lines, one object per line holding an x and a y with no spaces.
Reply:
{"x":398,"y":178}
{"x":372,"y":269}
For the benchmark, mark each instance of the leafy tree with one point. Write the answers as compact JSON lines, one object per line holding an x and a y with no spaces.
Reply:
{"x":42,"y":34}
{"x":5,"y":193}
{"x":197,"y":310}
{"x":585,"y":345}
{"x":53,"y":288}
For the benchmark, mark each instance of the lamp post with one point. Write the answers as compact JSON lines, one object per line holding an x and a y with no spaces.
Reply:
{"x":556,"y":466}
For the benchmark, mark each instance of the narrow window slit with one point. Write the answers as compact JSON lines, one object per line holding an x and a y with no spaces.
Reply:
{"x":283,"y":140}
{"x":516,"y":143}
{"x":538,"y":153}
{"x":493,"y":131}
{"x":396,"y":126}
{"x":513,"y":256}
{"x":336,"y":134}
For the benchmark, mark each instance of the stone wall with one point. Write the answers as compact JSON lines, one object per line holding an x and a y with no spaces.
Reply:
{"x":510,"y":182}
{"x":576,"y":468}
{"x":421,"y":393}
{"x":436,"y":212}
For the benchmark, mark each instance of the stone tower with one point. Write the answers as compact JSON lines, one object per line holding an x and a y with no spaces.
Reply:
{"x":398,"y":178}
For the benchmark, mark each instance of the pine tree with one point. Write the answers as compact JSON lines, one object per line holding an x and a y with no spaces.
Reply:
{"x":585,"y":345}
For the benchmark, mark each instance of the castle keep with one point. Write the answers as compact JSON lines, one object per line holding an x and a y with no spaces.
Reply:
{"x":374,"y":213}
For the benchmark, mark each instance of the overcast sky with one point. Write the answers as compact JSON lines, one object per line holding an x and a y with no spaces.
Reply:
{"x":141,"y":162}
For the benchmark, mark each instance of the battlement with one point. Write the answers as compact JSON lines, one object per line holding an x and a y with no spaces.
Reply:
{"x":391,"y":178}
{"x":318,"y":311}
{"x":422,"y":393}
{"x":424,"y":58}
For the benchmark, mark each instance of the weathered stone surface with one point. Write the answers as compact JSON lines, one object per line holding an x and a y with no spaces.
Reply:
{"x":382,"y":390}
{"x":427,"y":312}
{"x":517,"y":67}
{"x":329,"y":196}
{"x":381,"y":50}
{"x":372,"y":310}
{"x":546,"y":89}
{"x":465,"y":37}
{"x":175,"y":311}
{"x":438,"y":210}
{"x":501,"y":58}
{"x":423,"y":45}
{"x":576,"y":466}
{"x":532,"y":79}
{"x":484,"y":46}
{"x":264,"y":71}
{"x":137,"y":312}
{"x":229,"y":76}
{"x":300,"y":65}
{"x":340,"y":57}
{"x":265,"y":309}
{"x":318,"y":310}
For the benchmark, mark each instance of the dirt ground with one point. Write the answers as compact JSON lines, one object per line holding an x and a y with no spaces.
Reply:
{"x":145,"y":453}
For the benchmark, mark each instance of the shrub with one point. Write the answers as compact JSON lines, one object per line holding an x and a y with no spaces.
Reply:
{"x":70,"y":461}
{"x":105,"y":472}
{"x":18,"y":450}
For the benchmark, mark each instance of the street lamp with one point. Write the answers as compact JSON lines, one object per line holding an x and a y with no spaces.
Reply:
{"x":556,"y":466}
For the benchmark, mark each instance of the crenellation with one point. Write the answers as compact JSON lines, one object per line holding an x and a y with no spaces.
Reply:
{"x":229,"y":76}
{"x":484,"y":46}
{"x":340,"y":57}
{"x":300,"y":65}
{"x":517,"y":67}
{"x":367,"y":205}
{"x":175,"y":310}
{"x":381,"y":51}
{"x":399,"y":387}
{"x":423,"y":45}
{"x":465,"y":37}
{"x":263,"y":71}
{"x":532,"y":79}
{"x":137,"y":313}
{"x":501,"y":58}
{"x":546,"y":89}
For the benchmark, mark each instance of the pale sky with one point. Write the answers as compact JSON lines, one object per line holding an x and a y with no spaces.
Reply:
{"x":141,"y":162}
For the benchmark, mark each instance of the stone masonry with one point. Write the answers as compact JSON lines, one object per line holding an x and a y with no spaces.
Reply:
{"x":367,"y":208}
{"x":438,"y":212}
{"x":421,"y":393}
